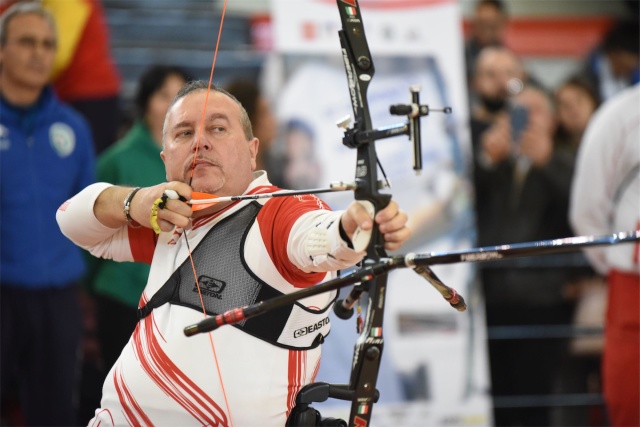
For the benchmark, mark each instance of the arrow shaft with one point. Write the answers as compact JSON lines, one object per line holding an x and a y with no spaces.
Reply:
{"x":284,"y":193}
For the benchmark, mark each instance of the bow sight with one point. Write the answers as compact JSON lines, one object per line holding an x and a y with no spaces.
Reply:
{"x":354,"y":137}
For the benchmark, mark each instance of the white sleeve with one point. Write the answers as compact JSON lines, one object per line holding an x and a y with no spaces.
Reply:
{"x":315,"y":244}
{"x":79,"y":224}
{"x":591,"y":205}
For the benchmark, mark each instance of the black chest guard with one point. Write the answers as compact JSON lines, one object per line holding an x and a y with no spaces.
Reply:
{"x":226,"y":282}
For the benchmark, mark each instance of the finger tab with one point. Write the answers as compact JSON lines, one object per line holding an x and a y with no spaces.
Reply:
{"x":360,"y":238}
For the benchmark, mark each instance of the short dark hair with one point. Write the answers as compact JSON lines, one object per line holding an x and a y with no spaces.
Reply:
{"x":497,"y":4}
{"x":23,"y":8}
{"x":152,"y":80}
{"x":624,"y":36}
{"x":199,"y":85}
{"x":583,"y":84}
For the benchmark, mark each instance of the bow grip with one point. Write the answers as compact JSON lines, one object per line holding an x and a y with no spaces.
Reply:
{"x":360,"y":239}
{"x":373,"y":203}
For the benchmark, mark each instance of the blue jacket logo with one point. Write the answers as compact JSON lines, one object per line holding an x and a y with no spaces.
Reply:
{"x":62,"y":139}
{"x":5,"y":144}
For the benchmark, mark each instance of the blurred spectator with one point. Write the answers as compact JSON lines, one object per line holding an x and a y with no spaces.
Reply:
{"x":301,"y":168}
{"x":135,"y":161}
{"x":606,"y":199}
{"x":575,"y":102}
{"x":46,"y":156}
{"x":262,"y":119}
{"x":615,"y":64}
{"x":488,"y":25}
{"x":522,"y":191}
{"x":85,"y":74}
{"x":522,"y":185}
{"x":498,"y":75}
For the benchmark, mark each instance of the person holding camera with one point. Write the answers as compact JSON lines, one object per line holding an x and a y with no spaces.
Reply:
{"x":516,"y":163}
{"x":522,"y":186}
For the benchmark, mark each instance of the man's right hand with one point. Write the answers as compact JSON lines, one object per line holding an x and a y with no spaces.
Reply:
{"x":108,"y":207}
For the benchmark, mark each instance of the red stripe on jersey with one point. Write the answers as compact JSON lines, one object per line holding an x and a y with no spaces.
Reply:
{"x":276,"y":218}
{"x":199,"y":222}
{"x":100,"y":422}
{"x":315,"y":370}
{"x":296,"y":377}
{"x":172,"y":381}
{"x":143,"y":300}
{"x":125,"y":398}
{"x":137,"y":408}
{"x":142,"y":242}
{"x":125,"y":407}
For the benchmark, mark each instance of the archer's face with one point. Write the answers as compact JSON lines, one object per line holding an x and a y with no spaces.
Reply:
{"x":225,"y":158}
{"x":28,"y":54}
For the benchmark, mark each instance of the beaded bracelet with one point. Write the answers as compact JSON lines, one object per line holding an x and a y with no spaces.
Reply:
{"x":126,"y":207}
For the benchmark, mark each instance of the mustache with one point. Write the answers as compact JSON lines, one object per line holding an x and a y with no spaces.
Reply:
{"x":200,"y":160}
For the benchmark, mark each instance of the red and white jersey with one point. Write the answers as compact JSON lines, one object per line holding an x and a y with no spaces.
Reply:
{"x":227,"y":377}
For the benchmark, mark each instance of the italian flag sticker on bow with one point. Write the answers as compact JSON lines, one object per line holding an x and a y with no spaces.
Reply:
{"x":376,"y":332}
{"x":351,"y":11}
{"x":363,"y":409}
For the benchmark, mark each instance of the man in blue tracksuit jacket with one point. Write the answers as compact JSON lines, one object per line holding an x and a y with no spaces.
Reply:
{"x":46,"y":155}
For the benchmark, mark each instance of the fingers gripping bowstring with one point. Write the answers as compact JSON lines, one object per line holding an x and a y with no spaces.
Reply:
{"x":193,"y":167}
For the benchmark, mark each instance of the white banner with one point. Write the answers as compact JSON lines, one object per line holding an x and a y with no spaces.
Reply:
{"x":393,"y":27}
{"x":396,"y":28}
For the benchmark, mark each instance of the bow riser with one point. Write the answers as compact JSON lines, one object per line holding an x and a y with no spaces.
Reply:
{"x":360,"y":69}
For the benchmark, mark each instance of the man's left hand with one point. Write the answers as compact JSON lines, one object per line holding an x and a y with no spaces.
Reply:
{"x":391,"y":222}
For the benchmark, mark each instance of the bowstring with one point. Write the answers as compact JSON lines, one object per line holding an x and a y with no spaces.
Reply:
{"x":193,"y":167}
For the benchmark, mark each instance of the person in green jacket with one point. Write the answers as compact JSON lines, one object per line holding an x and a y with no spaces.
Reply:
{"x":134,"y":160}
